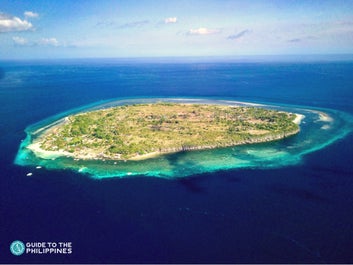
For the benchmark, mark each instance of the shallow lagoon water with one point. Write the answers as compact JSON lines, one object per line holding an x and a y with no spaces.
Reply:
{"x":319,"y":128}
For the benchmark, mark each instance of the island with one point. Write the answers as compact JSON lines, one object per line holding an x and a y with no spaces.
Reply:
{"x":141,"y":131}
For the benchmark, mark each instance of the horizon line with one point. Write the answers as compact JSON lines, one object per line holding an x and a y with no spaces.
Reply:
{"x":207,"y":58}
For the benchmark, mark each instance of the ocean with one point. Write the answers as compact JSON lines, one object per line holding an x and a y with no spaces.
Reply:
{"x":293,"y":213}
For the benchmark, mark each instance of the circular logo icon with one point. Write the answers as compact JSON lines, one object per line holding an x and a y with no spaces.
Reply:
{"x":17,"y":248}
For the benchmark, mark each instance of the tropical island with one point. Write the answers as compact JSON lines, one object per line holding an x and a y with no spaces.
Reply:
{"x":140,"y":131}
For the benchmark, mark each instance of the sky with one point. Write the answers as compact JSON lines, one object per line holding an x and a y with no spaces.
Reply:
{"x":162,"y":28}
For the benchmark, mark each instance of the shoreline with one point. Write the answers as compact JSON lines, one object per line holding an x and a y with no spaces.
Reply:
{"x":52,"y":155}
{"x":299,"y":118}
{"x":89,"y":154}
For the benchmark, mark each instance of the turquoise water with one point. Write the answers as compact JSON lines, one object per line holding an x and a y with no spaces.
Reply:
{"x":317,"y":132}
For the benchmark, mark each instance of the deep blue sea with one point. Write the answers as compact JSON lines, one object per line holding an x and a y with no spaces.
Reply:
{"x":301,"y":213}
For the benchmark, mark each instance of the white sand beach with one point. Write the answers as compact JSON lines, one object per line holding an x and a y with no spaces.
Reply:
{"x":298,"y":119}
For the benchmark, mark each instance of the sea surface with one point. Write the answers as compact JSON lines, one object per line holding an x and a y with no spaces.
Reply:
{"x":292,"y":213}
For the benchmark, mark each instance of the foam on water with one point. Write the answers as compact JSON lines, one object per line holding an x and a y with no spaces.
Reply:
{"x":280,"y":153}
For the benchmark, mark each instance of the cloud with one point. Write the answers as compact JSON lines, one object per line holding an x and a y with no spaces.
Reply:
{"x":20,"y":41}
{"x":302,"y":39}
{"x":203,"y":31}
{"x":105,"y":24}
{"x":295,"y":40}
{"x":10,"y":24}
{"x":170,"y":20}
{"x":48,"y":42}
{"x":238,"y":35}
{"x":133,"y":24}
{"x":43,"y":42}
{"x":30,"y":14}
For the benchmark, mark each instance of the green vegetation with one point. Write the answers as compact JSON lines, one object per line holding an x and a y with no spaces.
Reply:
{"x":127,"y":132}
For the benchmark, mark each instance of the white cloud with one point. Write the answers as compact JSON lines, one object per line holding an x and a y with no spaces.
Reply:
{"x":49,"y":42}
{"x":169,"y":20}
{"x":30,"y":14}
{"x":203,"y":31}
{"x":44,"y":42}
{"x":10,"y":24}
{"x":134,"y":24}
{"x":20,"y":41}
